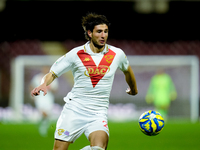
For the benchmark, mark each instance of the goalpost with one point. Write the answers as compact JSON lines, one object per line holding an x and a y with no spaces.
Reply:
{"x":17,"y":79}
{"x":174,"y":62}
{"x":183,"y":69}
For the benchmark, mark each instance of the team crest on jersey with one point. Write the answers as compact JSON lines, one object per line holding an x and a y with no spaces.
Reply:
{"x":96,"y":73}
{"x":109,"y":58}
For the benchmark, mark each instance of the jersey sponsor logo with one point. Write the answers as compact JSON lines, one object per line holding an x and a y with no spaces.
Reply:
{"x":101,"y":70}
{"x":96,"y":73}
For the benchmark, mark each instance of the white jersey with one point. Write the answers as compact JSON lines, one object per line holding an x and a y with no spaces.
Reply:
{"x":93,"y":76}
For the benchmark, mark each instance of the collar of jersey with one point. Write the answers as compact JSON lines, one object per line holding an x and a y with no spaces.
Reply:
{"x":89,"y":51}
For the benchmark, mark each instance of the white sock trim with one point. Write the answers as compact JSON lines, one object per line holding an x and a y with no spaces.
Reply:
{"x":96,"y":148}
{"x":86,"y":148}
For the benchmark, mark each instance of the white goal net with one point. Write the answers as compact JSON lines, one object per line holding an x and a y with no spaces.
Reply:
{"x":184,"y":71}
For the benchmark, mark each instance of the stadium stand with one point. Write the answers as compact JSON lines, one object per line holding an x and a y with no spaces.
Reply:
{"x":8,"y":51}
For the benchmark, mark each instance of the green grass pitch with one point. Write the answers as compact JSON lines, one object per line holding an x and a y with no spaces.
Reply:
{"x":123,"y":136}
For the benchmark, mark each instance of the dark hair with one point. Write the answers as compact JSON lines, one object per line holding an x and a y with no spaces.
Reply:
{"x":91,"y":20}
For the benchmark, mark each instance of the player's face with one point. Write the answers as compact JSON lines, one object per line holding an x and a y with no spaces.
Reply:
{"x":99,"y":35}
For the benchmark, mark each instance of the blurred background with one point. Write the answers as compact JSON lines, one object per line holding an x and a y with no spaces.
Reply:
{"x":155,"y":34}
{"x":140,"y":28}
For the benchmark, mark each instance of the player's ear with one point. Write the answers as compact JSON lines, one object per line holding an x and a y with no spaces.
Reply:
{"x":89,"y":33}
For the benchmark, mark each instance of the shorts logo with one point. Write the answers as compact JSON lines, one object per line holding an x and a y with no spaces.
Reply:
{"x":105,"y":124}
{"x":66,"y":133}
{"x":60,"y":131}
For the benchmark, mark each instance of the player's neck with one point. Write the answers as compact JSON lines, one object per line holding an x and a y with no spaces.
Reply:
{"x":96,"y":48}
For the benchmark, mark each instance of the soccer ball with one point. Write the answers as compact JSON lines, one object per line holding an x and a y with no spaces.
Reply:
{"x":151,"y":123}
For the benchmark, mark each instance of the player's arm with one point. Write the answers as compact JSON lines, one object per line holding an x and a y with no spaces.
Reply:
{"x":130,"y":79}
{"x":46,"y":80}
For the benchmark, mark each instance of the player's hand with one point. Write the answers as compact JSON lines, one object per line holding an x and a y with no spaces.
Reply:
{"x":36,"y":91}
{"x":130,"y":92}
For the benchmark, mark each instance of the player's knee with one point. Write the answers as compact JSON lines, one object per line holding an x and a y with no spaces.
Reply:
{"x":96,"y":148}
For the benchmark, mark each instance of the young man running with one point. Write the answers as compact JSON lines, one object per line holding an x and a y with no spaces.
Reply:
{"x":93,"y":66}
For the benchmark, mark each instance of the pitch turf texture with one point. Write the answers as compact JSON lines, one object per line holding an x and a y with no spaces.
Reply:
{"x":123,"y":136}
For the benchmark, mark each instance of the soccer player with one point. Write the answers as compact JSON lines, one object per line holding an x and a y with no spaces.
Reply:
{"x":161,"y":92}
{"x":93,"y":66}
{"x":44,"y":104}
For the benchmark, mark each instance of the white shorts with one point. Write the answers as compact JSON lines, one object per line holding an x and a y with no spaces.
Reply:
{"x":72,"y":124}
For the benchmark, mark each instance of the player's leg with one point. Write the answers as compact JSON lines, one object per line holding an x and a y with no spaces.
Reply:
{"x":61,"y":145}
{"x":70,"y":126}
{"x":99,"y":140}
{"x":44,"y":124}
{"x":97,"y":133}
